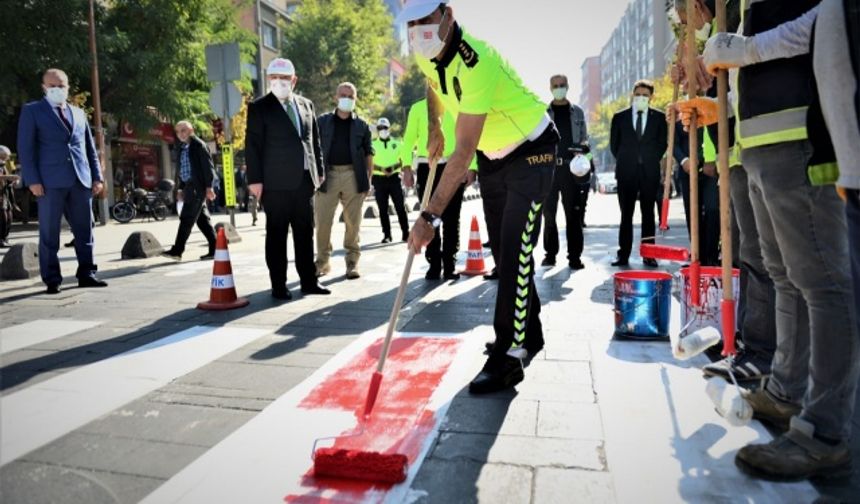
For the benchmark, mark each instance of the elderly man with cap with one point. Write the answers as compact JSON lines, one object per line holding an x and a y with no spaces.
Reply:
{"x":386,"y":179}
{"x":285,"y":167}
{"x":507,"y":124}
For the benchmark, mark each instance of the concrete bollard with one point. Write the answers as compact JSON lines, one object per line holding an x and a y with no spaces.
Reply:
{"x":140,"y":245}
{"x":21,"y":261}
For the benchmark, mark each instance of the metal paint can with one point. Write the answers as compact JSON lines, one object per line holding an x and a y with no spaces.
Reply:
{"x":643,"y":301}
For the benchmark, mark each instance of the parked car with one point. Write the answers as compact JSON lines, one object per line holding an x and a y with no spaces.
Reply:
{"x":606,"y":183}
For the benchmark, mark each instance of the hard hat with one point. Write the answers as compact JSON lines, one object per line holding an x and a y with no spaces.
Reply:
{"x":281,"y":66}
{"x":383,"y":123}
{"x":580,"y":165}
{"x":417,"y":9}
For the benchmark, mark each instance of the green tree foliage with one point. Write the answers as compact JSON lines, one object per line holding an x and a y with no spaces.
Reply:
{"x":151,"y":54}
{"x":410,"y":88}
{"x":332,"y":41}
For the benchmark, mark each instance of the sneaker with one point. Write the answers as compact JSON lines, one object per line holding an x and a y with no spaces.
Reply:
{"x":746,"y":366}
{"x":770,"y":410}
{"x":548,"y":261}
{"x":352,"y":274}
{"x":323,"y":270}
{"x":795,"y":456}
{"x":497,"y":377}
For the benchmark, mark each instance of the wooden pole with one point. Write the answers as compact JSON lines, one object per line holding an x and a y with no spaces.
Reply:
{"x":667,"y":175}
{"x":692,"y":91}
{"x":97,"y":112}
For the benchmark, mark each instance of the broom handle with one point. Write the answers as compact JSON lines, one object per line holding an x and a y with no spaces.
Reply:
{"x":692,"y":91}
{"x":404,"y":279}
{"x":667,"y":180}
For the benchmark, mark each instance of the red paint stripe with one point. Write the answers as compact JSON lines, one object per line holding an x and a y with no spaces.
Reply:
{"x":400,"y":422}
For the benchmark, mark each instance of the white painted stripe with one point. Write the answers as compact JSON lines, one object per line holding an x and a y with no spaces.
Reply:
{"x":39,"y":331}
{"x":222,"y":282}
{"x":222,"y":255}
{"x":475,"y":235}
{"x":265,"y":459}
{"x":43,"y":412}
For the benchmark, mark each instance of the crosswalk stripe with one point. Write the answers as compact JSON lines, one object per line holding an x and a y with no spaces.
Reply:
{"x":39,"y":331}
{"x":43,"y":412}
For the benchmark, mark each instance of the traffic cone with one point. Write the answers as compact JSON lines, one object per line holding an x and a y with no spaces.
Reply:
{"x":223,"y":292}
{"x":475,"y":254}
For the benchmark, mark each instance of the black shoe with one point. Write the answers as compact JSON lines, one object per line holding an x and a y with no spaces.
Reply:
{"x":315,"y":289}
{"x":283,"y":294}
{"x":746,"y":366}
{"x":620,"y":262}
{"x":548,"y":261}
{"x":490,"y":345}
{"x":53,"y":289}
{"x":486,"y":244}
{"x":405,"y":236}
{"x":493,"y":275}
{"x":207,"y":256}
{"x":91,"y":282}
{"x":171,"y":254}
{"x":576,"y":264}
{"x":451,"y":275}
{"x":496,"y":377}
{"x":254,"y":222}
{"x":4,"y":244}
{"x":387,"y":239}
{"x":651,"y":263}
{"x":434,"y":273}
{"x":70,"y":244}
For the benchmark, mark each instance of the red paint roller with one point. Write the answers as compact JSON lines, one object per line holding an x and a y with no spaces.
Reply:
{"x":388,"y":468}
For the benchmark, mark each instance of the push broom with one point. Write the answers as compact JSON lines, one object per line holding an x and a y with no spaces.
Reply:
{"x":389,"y":468}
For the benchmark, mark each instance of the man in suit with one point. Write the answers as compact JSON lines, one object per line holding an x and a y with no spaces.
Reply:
{"x":348,"y":150}
{"x":285,"y":167}
{"x":196,"y":175}
{"x":60,"y":165}
{"x":638,"y":141}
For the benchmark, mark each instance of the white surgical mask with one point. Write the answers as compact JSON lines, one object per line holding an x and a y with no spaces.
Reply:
{"x":704,"y":33}
{"x":57,"y":95}
{"x":346,"y":104}
{"x":425,"y":41}
{"x":559,"y":93}
{"x":384,"y":134}
{"x":640,"y":103}
{"x":282,"y":89}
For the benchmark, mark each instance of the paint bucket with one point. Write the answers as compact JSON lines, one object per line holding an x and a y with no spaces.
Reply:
{"x":643,"y":301}
{"x":711,"y":284}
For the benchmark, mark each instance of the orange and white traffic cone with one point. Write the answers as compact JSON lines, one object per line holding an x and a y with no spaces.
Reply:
{"x":475,"y":253}
{"x":223,"y":292}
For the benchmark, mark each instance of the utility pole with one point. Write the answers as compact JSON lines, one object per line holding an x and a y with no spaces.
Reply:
{"x":99,"y":130}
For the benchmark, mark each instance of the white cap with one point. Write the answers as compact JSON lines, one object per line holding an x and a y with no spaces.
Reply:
{"x":417,"y":9}
{"x":383,"y":123}
{"x":281,"y":66}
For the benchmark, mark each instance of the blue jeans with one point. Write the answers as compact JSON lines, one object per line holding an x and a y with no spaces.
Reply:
{"x":804,"y":243}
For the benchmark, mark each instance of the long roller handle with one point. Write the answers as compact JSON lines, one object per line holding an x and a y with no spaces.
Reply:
{"x":667,"y":180}
{"x":692,"y":91}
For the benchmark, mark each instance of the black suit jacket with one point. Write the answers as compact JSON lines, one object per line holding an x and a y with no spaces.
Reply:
{"x":275,"y":153}
{"x":360,"y":146}
{"x":202,"y":167}
{"x":628,"y":149}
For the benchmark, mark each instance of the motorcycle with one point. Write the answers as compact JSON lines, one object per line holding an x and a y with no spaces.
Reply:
{"x":138,"y":201}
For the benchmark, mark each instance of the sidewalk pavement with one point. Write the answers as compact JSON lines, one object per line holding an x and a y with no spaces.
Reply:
{"x":596,"y":419}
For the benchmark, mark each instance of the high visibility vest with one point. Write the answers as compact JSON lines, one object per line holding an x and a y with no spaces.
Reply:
{"x":386,"y":157}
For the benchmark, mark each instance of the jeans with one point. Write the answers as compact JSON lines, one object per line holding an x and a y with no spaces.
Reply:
{"x":804,"y":241}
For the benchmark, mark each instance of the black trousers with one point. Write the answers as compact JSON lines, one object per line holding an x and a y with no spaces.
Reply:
{"x":385,"y":187}
{"x":193,"y":211}
{"x":513,"y":191}
{"x":573,"y":199}
{"x":628,"y":194}
{"x":287,"y":210}
{"x":442,"y":250}
{"x":709,"y":217}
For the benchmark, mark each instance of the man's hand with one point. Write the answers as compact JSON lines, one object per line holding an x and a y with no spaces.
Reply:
{"x":98,"y":187}
{"x":471,"y":176}
{"x":710,"y":169}
{"x":435,"y":143}
{"x":421,"y":235}
{"x":210,"y":194}
{"x":38,"y":190}
{"x":257,"y":190}
{"x":729,"y":50}
{"x":685,"y":165}
{"x":408,"y":179}
{"x":705,"y":108}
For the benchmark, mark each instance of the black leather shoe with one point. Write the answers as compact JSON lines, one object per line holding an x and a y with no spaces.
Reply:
{"x":576,"y":264}
{"x":620,"y":262}
{"x":493,"y":275}
{"x":548,"y":261}
{"x":70,"y":244}
{"x":170,"y":254}
{"x":434,"y":273}
{"x":315,"y":289}
{"x":387,"y":239}
{"x":91,"y":282}
{"x":53,"y":289}
{"x":486,"y":244}
{"x":207,"y":256}
{"x":283,"y":294}
{"x":405,"y":236}
{"x":651,"y":263}
{"x":494,"y":378}
{"x":451,"y":275}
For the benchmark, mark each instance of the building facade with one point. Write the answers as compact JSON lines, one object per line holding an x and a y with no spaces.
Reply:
{"x":589,"y":97}
{"x":266,"y":18}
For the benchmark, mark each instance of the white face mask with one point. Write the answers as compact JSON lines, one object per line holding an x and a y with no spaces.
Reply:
{"x":282,"y":89}
{"x":57,"y":95}
{"x":346,"y":104}
{"x":384,"y":134}
{"x":640,"y":103}
{"x":704,"y":33}
{"x":425,"y":41}
{"x":559,"y":93}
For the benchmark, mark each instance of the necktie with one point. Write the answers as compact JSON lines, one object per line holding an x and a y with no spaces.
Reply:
{"x":63,"y":118}
{"x":639,"y":125}
{"x":292,"y":114}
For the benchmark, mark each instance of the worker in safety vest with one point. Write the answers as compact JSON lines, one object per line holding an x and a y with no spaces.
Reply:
{"x":386,"y":179}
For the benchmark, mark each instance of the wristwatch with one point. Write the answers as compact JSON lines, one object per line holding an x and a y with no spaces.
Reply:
{"x":431,"y":218}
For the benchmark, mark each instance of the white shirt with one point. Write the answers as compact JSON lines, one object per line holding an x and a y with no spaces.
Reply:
{"x":644,"y":118}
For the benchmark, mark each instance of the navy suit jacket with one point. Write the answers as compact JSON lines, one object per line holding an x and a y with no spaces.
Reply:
{"x":51,"y":155}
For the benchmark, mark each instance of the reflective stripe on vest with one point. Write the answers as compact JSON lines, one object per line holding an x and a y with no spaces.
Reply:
{"x":776,"y":127}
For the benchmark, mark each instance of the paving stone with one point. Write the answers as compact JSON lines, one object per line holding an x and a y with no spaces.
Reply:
{"x":521,"y":450}
{"x":466,"y":482}
{"x":491,"y":416}
{"x":567,"y":350}
{"x":554,"y":485}
{"x":559,"y":372}
{"x":557,"y":392}
{"x":267,"y":381}
{"x":569,"y":420}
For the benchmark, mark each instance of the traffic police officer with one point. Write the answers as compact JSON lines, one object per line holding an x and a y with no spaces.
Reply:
{"x":516,"y":143}
{"x":386,"y":179}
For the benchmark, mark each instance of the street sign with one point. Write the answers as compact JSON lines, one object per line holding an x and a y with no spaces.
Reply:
{"x":222,"y":62}
{"x":225,"y":104}
{"x":228,"y":180}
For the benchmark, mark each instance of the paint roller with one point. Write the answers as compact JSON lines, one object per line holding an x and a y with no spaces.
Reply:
{"x":728,"y":402}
